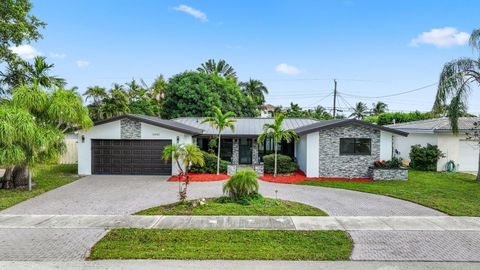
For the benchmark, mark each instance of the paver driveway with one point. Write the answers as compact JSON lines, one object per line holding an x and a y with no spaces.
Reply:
{"x":116,"y":195}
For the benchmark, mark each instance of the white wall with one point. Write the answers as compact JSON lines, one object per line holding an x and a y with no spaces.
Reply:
{"x":307,"y":153}
{"x":112,"y":131}
{"x":404,"y":144}
{"x":301,"y":153}
{"x":385,"y":145}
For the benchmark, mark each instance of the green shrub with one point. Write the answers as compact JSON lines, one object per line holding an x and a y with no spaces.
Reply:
{"x":284,"y":164}
{"x":210,"y":164}
{"x":241,"y":184}
{"x":425,"y":158}
{"x":399,"y":117}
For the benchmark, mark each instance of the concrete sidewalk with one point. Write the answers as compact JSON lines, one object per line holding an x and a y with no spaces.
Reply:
{"x":401,"y":223}
{"x":238,"y":265}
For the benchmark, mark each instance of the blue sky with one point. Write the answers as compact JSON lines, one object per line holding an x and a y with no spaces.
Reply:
{"x":373,"y":48}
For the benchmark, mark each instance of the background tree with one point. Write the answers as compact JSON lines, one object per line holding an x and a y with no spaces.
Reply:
{"x":277,"y":133}
{"x":220,"y":121}
{"x":379,"y":107}
{"x":220,"y":69}
{"x":196,"y":94}
{"x":360,"y":111}
{"x":184,"y":156}
{"x":255,"y":89}
{"x":158,"y":86}
{"x":454,"y":87}
{"x":97,"y":94}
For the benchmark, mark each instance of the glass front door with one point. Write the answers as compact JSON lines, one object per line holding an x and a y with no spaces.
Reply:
{"x":245,"y":147}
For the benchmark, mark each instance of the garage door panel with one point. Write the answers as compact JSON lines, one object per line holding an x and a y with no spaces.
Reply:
{"x":130,"y":157}
{"x":468,"y":156}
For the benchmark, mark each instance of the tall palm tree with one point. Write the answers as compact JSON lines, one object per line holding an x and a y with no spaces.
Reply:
{"x":221,"y":68}
{"x":157,"y":89}
{"x":454,"y":87}
{"x":360,"y":111}
{"x":254,"y":89}
{"x":96,"y":93}
{"x":220,"y":121}
{"x":277,"y":133}
{"x":379,"y":107}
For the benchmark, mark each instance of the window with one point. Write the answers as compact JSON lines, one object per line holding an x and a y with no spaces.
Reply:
{"x":355,"y":146}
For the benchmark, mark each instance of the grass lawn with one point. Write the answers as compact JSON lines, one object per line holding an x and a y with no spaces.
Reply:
{"x":45,"y":179}
{"x":223,"y":245}
{"x":258,"y":206}
{"x":456,"y":194}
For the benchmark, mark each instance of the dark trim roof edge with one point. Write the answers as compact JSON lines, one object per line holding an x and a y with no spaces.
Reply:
{"x":317,"y":127}
{"x":174,"y":126}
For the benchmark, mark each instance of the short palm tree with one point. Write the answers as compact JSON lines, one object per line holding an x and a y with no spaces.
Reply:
{"x":254,"y":89}
{"x":360,"y":111}
{"x":454,"y":87}
{"x":277,"y":133}
{"x":379,"y":107}
{"x":220,"y":121}
{"x":221,"y":68}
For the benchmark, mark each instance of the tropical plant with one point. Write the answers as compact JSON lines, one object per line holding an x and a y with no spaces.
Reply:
{"x":379,"y":107}
{"x":96,"y":94}
{"x":277,"y":133}
{"x":360,"y":111}
{"x":456,"y":81}
{"x":285,"y":164}
{"x":220,"y":121}
{"x":157,"y":89}
{"x":210,"y":164}
{"x":241,"y":184}
{"x":184,"y":155}
{"x":254,"y":89}
{"x":425,"y":158}
{"x":220,"y":69}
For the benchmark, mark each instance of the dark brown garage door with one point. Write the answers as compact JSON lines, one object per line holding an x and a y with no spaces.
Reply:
{"x":141,"y":157}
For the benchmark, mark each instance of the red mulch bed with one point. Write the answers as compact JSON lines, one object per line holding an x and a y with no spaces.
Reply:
{"x":202,"y":177}
{"x":300,"y":177}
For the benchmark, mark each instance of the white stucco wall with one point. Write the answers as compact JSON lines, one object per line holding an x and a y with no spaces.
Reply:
{"x":385,"y":145}
{"x":404,"y":144}
{"x":307,"y":151}
{"x":112,"y":131}
{"x":301,"y":153}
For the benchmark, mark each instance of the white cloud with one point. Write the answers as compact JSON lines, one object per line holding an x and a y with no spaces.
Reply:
{"x":441,"y":37}
{"x":25,"y":51}
{"x":58,"y":55}
{"x":82,"y":63}
{"x":287,"y":69}
{"x":193,"y":12}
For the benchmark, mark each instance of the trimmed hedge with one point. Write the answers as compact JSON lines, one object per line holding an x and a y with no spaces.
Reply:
{"x":399,"y":117}
{"x":284,"y":164}
{"x":210,"y":164}
{"x":425,"y":158}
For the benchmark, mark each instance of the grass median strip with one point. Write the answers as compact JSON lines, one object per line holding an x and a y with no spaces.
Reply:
{"x":257,"y":206}
{"x":453,"y":193}
{"x":223,"y":245}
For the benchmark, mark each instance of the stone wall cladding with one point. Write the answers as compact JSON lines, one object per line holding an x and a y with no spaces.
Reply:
{"x":255,"y":159}
{"x":390,"y":174}
{"x":232,"y":168}
{"x":235,"y":151}
{"x":130,"y":129}
{"x":332,"y":164}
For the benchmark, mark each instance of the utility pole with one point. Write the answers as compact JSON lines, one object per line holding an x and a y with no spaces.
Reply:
{"x":334,"y":98}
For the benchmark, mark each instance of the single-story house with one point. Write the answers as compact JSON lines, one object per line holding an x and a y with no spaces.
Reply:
{"x":463,"y":152}
{"x":133,"y":144}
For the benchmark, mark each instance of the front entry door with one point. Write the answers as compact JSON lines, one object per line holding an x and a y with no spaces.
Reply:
{"x":245,"y":147}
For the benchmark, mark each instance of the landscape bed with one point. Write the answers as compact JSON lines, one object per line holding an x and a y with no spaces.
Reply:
{"x":202,"y":177}
{"x":222,"y":245}
{"x":257,"y":206}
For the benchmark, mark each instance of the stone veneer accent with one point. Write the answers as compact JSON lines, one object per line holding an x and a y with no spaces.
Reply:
{"x":130,"y":129}
{"x":390,"y":174}
{"x":232,"y":168}
{"x":235,"y":151}
{"x":255,"y":159}
{"x":332,"y":164}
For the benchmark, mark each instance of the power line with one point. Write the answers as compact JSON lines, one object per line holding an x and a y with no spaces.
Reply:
{"x":396,"y":94}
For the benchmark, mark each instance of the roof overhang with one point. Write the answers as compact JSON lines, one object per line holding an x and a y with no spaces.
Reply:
{"x":322,"y":126}
{"x":168,"y":124}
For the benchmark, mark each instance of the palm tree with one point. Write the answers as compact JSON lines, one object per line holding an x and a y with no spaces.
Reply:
{"x":157,"y":89}
{"x":379,"y":107}
{"x":277,"y":133}
{"x":254,"y":89}
{"x":360,"y":111}
{"x":454,"y":87}
{"x":221,"y":68}
{"x":321,"y":113}
{"x":96,"y":93}
{"x":220,"y":121}
{"x":189,"y":155}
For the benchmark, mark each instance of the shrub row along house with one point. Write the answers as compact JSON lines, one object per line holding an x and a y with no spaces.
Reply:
{"x":133,"y":144}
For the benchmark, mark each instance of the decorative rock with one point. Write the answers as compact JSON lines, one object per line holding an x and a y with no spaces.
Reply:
{"x":390,"y":174}
{"x":130,"y":129}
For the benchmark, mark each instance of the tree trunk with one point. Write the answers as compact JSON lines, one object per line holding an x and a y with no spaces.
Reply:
{"x":275,"y":167}
{"x":218,"y":154}
{"x":20,"y":176}
{"x":7,"y":180}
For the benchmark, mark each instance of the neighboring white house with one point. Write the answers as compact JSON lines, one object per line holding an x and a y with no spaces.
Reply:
{"x":133,"y":144}
{"x":438,"y":132}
